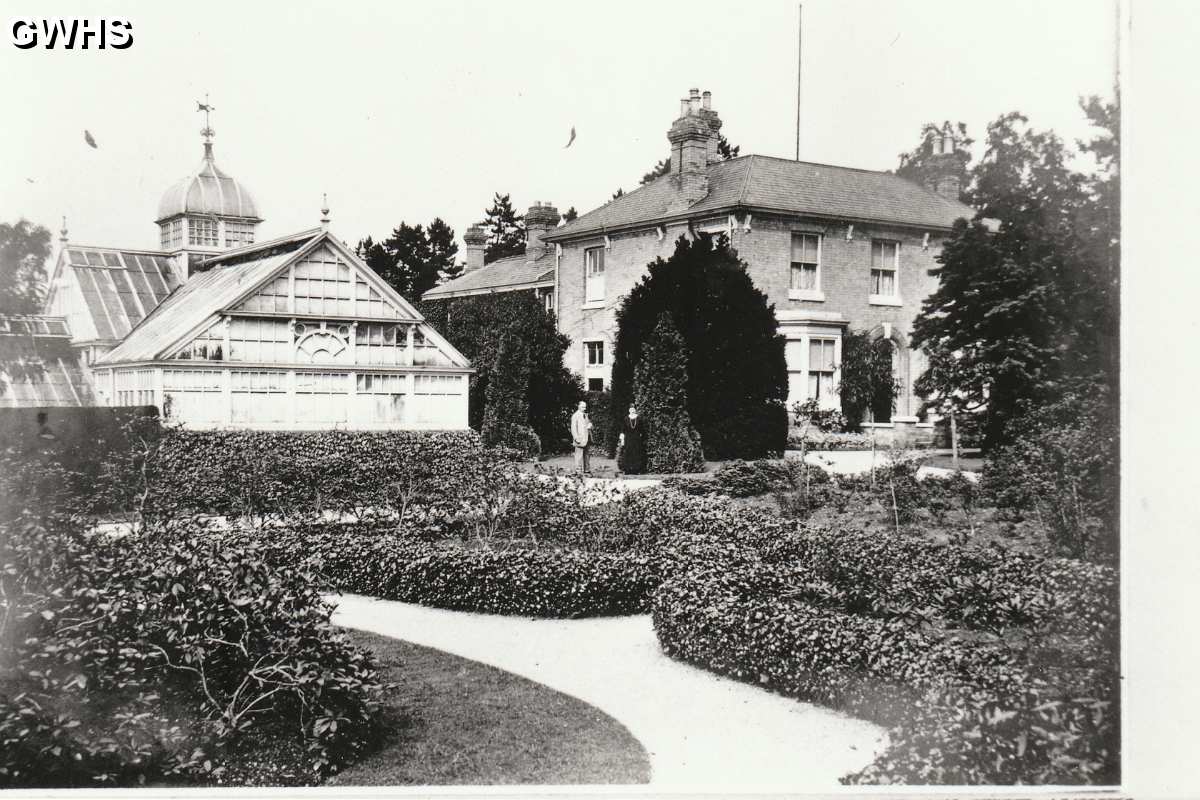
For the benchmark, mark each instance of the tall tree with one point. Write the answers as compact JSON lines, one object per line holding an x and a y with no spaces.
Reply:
{"x":1023,"y":311}
{"x":505,"y":230}
{"x":443,"y":249}
{"x":660,"y":393}
{"x":413,"y":259}
{"x":737,"y":375}
{"x":475,"y":325}
{"x":506,"y":417}
{"x":24,"y":248}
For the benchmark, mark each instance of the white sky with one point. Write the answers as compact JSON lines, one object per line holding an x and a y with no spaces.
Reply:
{"x":406,"y":111}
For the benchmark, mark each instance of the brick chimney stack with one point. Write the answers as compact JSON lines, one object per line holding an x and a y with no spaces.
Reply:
{"x":947,"y":165}
{"x":694,"y":137}
{"x":540,"y":220}
{"x":476,"y":241}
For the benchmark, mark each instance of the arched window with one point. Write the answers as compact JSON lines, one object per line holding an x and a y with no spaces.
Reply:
{"x":321,"y":344}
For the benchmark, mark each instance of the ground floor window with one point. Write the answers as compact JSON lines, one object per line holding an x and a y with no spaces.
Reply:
{"x":321,"y":397}
{"x":379,"y":398}
{"x":820,"y":368}
{"x":193,"y":395}
{"x":259,"y":397}
{"x":435,"y":399}
{"x":135,"y":387}
{"x":595,"y":384}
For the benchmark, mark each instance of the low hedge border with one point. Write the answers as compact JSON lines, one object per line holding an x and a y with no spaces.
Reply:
{"x":515,"y":580}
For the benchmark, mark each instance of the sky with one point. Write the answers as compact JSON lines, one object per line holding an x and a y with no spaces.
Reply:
{"x":409,"y":111}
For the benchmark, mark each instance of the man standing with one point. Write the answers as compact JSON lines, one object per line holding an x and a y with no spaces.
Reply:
{"x":581,"y":436}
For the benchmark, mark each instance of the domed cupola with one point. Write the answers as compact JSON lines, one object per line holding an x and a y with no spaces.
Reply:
{"x":206,"y":212}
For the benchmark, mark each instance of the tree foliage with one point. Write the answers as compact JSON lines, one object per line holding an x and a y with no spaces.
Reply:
{"x":660,"y":389}
{"x":866,"y":381}
{"x":732,"y":350}
{"x":413,"y":259}
{"x":505,"y":230}
{"x":476,"y":325}
{"x":1021,"y":311}
{"x":506,"y":416}
{"x":24,"y":248}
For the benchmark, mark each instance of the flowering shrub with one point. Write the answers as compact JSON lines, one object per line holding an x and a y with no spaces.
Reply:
{"x":103,"y":638}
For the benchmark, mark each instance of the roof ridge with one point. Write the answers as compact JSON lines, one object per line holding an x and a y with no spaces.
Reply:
{"x":741,"y":197}
{"x":254,"y":246}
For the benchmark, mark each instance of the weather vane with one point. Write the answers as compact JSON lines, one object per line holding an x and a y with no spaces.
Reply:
{"x":207,"y":132}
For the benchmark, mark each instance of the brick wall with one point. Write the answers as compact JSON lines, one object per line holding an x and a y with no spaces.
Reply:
{"x":845,"y":278}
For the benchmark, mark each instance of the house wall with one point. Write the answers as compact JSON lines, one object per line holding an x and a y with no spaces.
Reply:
{"x":844,"y":282}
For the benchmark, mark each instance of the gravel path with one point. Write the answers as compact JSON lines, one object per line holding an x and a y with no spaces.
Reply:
{"x":702,"y":732}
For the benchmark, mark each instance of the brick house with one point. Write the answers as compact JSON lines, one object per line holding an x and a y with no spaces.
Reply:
{"x":832,"y":248}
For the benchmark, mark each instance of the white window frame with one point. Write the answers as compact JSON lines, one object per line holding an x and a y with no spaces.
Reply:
{"x":588,"y":349}
{"x":892,"y":299}
{"x":815,"y":293}
{"x":593,"y":278}
{"x":826,"y":377}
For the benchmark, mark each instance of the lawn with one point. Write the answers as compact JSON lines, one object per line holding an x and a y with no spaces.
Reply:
{"x":455,"y":722}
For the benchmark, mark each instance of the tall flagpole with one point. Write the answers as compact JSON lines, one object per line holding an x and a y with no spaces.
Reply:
{"x":799,"y":45}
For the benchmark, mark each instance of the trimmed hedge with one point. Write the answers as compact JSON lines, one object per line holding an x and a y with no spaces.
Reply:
{"x":952,"y":646}
{"x":516,"y":580}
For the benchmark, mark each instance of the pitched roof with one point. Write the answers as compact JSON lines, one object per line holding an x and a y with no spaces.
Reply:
{"x":778,"y":184}
{"x":205,"y":294}
{"x":120,"y":286}
{"x":505,"y":274}
{"x":44,"y":341}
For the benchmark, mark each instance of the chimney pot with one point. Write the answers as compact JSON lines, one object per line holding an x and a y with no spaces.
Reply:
{"x":707,"y":101}
{"x":693,"y":93}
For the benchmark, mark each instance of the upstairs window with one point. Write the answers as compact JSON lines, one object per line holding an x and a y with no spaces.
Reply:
{"x":202,"y":231}
{"x":238,"y":234}
{"x":593,"y":275}
{"x":171,"y":234}
{"x":595,"y":353}
{"x":806,"y":262}
{"x":885,"y":261}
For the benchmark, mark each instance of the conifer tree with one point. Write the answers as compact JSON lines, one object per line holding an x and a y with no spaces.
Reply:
{"x":506,"y":419}
{"x":660,"y":394}
{"x":505,"y":230}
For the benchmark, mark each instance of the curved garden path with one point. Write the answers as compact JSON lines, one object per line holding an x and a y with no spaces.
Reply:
{"x":701,"y":731}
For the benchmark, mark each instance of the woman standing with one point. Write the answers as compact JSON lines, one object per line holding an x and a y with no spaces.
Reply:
{"x":632,"y":444}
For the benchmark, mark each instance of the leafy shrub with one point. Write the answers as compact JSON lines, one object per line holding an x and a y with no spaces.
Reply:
{"x":1062,"y":463}
{"x":825,"y":420}
{"x":1010,"y":649}
{"x":727,"y":329}
{"x":475,"y":325}
{"x":507,"y":404}
{"x":752,"y":432}
{"x":269,"y":473}
{"x":604,"y":429}
{"x":509,"y":579}
{"x":661,"y":397}
{"x":99,"y":633}
{"x":817,"y":440}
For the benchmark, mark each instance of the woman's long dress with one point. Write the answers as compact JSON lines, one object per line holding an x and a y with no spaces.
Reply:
{"x":632,"y":460}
